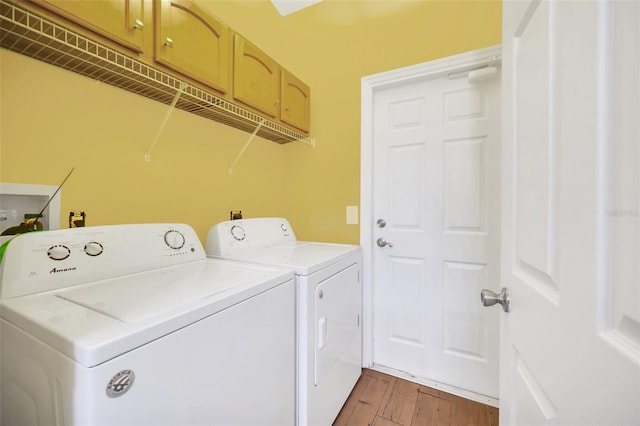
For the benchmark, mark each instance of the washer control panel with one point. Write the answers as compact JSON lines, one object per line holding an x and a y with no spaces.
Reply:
{"x":43,"y":261}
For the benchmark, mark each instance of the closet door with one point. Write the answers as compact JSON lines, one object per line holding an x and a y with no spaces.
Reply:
{"x":256,"y":77}
{"x":295,"y":101}
{"x":435,"y":244}
{"x":570,"y":344}
{"x":192,"y":42}
{"x":119,"y":20}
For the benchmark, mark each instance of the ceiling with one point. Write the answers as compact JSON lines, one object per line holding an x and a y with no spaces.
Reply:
{"x":286,"y":7}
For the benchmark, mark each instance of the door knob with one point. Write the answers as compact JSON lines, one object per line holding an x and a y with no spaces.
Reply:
{"x":489,"y":298}
{"x":381,"y":243}
{"x":381,"y":223}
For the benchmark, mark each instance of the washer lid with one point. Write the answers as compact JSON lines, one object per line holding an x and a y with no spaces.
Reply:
{"x":304,"y":257}
{"x":95,"y":322}
{"x":136,"y":298}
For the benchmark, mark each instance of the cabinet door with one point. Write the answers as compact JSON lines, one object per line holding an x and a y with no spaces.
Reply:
{"x":295,"y":101}
{"x":256,"y":77}
{"x":192,"y":42}
{"x":119,"y":20}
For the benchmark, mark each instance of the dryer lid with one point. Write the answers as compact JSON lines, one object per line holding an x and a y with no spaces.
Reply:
{"x":304,"y":257}
{"x":95,"y":322}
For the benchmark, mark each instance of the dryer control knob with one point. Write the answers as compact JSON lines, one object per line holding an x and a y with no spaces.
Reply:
{"x":174,"y":239}
{"x":238,"y":232}
{"x":93,"y":248}
{"x":58,"y":252}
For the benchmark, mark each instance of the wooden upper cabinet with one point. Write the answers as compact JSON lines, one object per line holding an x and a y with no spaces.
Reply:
{"x":192,"y":42}
{"x":121,"y":21}
{"x":295,"y":101}
{"x":256,"y":77}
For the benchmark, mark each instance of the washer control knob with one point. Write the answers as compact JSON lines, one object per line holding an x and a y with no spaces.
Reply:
{"x":58,"y":252}
{"x":174,"y":239}
{"x":238,"y":232}
{"x":284,"y":227}
{"x":93,"y":248}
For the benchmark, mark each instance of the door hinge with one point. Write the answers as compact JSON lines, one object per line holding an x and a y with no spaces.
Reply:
{"x":358,"y":320}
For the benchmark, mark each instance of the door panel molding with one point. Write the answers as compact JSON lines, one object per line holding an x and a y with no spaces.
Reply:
{"x":619,"y":310}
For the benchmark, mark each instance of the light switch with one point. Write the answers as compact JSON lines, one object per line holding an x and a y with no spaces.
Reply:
{"x":352,"y":215}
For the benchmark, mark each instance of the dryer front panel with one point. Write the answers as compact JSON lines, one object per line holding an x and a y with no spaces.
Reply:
{"x":337,"y":308}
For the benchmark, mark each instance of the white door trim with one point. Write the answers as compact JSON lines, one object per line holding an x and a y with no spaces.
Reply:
{"x":369,"y":84}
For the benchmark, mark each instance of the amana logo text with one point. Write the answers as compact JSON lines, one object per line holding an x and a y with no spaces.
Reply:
{"x":56,"y":270}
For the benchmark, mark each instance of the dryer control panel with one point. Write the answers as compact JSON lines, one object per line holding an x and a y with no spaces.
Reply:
{"x":231,"y":236}
{"x":49,"y":260}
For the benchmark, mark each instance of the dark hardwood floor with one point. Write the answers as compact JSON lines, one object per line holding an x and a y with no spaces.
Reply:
{"x":382,"y":400}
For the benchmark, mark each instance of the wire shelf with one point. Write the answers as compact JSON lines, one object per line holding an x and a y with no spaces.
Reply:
{"x":34,"y":36}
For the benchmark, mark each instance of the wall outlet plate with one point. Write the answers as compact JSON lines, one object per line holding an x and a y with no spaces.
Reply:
{"x":352,"y":215}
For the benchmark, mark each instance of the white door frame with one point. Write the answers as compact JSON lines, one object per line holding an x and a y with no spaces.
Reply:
{"x":369,"y":84}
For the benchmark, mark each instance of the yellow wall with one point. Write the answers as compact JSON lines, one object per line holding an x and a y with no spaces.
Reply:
{"x":52,"y":120}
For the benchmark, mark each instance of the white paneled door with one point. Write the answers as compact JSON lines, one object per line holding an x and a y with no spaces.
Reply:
{"x":570,"y":347}
{"x":436,"y":165}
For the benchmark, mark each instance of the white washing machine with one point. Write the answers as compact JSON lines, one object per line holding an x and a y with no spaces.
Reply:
{"x":328,"y":283}
{"x":134,"y":325}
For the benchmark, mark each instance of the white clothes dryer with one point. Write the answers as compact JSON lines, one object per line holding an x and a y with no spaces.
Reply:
{"x":133,"y":325}
{"x":329,"y":300}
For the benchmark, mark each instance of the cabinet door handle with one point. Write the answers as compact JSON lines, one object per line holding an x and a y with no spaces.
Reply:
{"x":138,"y":25}
{"x":168,"y":42}
{"x":287,"y":109}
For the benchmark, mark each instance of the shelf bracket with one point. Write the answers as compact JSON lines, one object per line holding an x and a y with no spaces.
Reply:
{"x":147,"y":155}
{"x":246,"y":145}
{"x":308,"y":141}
